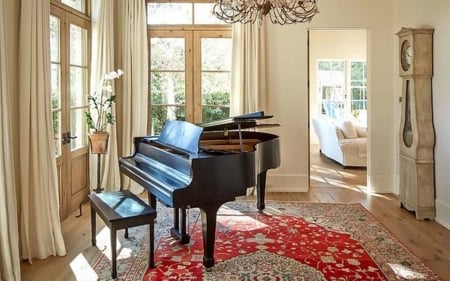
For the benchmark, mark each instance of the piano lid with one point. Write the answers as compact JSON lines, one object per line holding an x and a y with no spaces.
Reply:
{"x":244,"y":121}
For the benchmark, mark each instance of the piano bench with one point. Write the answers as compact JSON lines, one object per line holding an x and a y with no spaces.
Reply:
{"x":121,"y":210}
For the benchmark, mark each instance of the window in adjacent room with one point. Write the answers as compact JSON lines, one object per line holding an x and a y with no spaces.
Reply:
{"x":190,"y":64}
{"x":343,"y":89}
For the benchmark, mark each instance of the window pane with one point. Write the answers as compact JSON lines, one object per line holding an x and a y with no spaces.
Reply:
{"x":203,"y":14}
{"x":169,"y":13}
{"x":216,"y":88}
{"x":57,"y":131}
{"x":78,"y":45}
{"x":215,"y":96}
{"x":167,"y":88}
{"x":54,"y":39}
{"x":323,"y":65}
{"x":167,"y":54}
{"x":357,"y":83}
{"x":76,"y":4}
{"x":56,"y":85}
{"x":162,"y":113}
{"x":216,"y":54}
{"x":78,"y":128}
{"x":213,"y":113}
{"x":78,"y":86}
{"x":337,"y":65}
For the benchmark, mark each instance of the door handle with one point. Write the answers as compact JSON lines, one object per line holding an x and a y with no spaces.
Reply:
{"x":66,"y":138}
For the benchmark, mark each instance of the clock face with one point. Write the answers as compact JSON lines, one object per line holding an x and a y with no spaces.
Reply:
{"x":406,"y":55}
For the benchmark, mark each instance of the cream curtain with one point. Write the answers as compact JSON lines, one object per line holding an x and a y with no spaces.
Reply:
{"x":248,"y":81}
{"x":103,"y":62}
{"x":248,"y":75}
{"x":9,"y":232}
{"x":132,"y":55}
{"x":40,"y":228}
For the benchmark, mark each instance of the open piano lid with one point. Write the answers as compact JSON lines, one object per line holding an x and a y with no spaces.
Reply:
{"x":244,"y":121}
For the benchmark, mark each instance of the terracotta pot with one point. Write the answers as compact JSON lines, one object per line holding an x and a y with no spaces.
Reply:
{"x":99,"y":142}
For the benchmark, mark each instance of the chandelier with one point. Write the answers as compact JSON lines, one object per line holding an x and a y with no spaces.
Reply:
{"x":279,"y":11}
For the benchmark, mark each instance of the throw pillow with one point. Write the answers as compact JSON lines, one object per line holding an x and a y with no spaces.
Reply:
{"x":348,"y":129}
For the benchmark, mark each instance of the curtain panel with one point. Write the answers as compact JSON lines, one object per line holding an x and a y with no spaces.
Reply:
{"x":103,"y":62}
{"x":248,"y":76}
{"x":9,"y":232}
{"x":132,"y":55}
{"x":40,"y":228}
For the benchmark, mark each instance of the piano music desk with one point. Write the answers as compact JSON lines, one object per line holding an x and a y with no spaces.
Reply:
{"x":121,"y":210}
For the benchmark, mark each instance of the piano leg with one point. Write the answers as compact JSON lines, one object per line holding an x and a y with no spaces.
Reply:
{"x":209,"y":219}
{"x":179,"y":225}
{"x":261,"y":191}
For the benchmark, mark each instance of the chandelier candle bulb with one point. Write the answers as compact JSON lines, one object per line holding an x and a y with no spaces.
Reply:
{"x":279,"y":11}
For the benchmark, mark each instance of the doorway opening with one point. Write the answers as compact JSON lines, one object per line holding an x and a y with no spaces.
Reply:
{"x":337,"y":71}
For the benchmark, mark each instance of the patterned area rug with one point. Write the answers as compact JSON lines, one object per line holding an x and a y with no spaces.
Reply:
{"x":289,"y":241}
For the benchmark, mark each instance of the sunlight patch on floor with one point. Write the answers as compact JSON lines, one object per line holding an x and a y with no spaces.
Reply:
{"x":342,"y":184}
{"x":318,"y":179}
{"x":380,"y":195}
{"x":103,"y":242}
{"x":82,"y":269}
{"x":406,"y":272}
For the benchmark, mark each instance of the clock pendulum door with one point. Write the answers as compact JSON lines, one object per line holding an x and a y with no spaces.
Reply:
{"x":416,"y":127}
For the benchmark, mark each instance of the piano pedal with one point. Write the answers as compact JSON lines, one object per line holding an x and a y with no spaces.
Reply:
{"x":183,"y":237}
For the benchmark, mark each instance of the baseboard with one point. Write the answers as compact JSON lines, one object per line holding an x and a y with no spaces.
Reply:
{"x":443,"y":213}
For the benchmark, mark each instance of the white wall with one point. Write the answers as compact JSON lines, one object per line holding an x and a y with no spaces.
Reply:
{"x":288,"y":90}
{"x":432,"y":14}
{"x":348,"y":44}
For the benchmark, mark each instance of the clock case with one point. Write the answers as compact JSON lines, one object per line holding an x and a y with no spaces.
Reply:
{"x":417,"y":136}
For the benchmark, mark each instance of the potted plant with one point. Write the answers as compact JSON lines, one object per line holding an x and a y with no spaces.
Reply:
{"x":99,"y":115}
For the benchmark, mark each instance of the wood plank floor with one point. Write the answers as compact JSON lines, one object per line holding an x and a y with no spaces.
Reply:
{"x":329,"y":183}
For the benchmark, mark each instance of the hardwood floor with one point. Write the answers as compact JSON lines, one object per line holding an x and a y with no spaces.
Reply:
{"x":329,"y":183}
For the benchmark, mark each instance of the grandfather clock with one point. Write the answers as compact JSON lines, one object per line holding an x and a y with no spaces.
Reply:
{"x":416,"y":129}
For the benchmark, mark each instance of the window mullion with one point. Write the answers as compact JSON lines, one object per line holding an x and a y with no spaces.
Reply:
{"x":197,"y":71}
{"x":189,"y":74}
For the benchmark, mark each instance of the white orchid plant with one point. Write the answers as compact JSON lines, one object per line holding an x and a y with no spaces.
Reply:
{"x":100,"y":102}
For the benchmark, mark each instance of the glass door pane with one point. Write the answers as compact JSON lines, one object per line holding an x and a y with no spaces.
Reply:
{"x":55,"y":58}
{"x":78,"y":84}
{"x":167,"y":81}
{"x":215,"y":78}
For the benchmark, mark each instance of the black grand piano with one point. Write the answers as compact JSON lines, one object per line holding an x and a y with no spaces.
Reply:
{"x":204,"y":166}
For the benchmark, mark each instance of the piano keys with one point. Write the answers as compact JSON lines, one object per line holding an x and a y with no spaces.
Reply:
{"x":203,"y":166}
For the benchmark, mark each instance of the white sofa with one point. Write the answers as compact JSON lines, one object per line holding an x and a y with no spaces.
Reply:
{"x":342,"y":141}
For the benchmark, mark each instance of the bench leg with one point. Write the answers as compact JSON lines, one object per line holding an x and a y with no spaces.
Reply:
{"x":93,"y":230}
{"x":113,"y":253}
{"x":126,"y":233}
{"x":151,"y":258}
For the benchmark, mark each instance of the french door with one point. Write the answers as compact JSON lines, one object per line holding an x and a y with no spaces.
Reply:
{"x":70,"y":57}
{"x":190,"y":76}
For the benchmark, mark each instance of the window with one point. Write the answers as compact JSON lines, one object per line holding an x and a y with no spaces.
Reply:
{"x":343,"y":89}
{"x":358,"y":90}
{"x":190,"y":64}
{"x":79,"y":5}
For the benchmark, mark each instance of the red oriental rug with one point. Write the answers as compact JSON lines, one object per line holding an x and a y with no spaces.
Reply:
{"x":289,"y":241}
